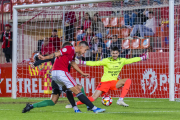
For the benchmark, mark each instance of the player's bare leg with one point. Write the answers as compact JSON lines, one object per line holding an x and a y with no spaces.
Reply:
{"x":76,"y":90}
{"x":126,"y":83}
{"x":82,"y":90}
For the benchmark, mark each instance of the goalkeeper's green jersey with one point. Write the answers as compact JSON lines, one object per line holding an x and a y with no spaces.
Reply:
{"x":112,"y":67}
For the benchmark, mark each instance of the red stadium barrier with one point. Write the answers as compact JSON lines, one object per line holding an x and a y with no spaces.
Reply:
{"x":148,"y":80}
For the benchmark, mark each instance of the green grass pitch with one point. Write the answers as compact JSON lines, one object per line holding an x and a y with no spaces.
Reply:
{"x":139,"y":109}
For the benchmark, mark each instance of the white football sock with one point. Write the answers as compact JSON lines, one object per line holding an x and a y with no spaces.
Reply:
{"x":120,"y":98}
{"x":94,"y":108}
{"x":75,"y":108}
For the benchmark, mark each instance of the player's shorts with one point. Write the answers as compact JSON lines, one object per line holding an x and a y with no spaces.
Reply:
{"x":106,"y":86}
{"x":63,"y":78}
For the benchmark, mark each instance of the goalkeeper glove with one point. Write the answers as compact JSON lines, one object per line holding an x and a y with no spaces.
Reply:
{"x":145,"y":56}
{"x":80,"y":62}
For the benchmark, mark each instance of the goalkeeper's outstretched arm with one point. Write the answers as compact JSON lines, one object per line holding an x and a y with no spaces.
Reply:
{"x":91,"y":63}
{"x":136,"y":59}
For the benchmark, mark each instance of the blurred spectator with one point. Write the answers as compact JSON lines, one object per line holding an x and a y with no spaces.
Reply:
{"x":148,"y":29}
{"x":95,"y":42}
{"x":129,"y":15}
{"x":6,"y":40}
{"x":86,"y":21}
{"x":98,"y":27}
{"x":157,"y":2}
{"x":40,"y":42}
{"x":86,"y":24}
{"x":99,"y":55}
{"x":88,"y":37}
{"x":165,"y":12}
{"x":70,"y":20}
{"x":47,"y":48}
{"x":114,"y":42}
{"x":141,"y":18}
{"x":55,"y":40}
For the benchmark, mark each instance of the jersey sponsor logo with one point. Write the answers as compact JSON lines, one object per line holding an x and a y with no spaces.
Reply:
{"x":149,"y":81}
{"x":64,"y":49}
{"x":113,"y":73}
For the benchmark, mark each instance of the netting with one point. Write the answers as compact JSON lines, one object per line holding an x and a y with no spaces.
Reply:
{"x":134,"y":27}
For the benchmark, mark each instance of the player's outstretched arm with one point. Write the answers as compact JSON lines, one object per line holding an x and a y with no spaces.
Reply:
{"x":53,"y":55}
{"x":90,"y":63}
{"x":75,"y":66}
{"x":137,"y":59}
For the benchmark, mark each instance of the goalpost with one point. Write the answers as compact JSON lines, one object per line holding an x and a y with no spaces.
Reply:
{"x":152,"y":73}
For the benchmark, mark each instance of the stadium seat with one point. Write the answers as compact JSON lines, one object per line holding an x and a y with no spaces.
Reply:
{"x":39,"y":1}
{"x":6,"y":7}
{"x":75,"y":6}
{"x":113,"y":22}
{"x":121,"y":22}
{"x":105,"y":22}
{"x":145,"y":43}
{"x":14,"y":1}
{"x":124,"y":33}
{"x":114,"y":32}
{"x":78,"y":32}
{"x":48,"y":1}
{"x":31,"y":9}
{"x":23,"y":10}
{"x":22,"y":1}
{"x":125,"y":44}
{"x":31,"y":1}
{"x":108,"y":43}
{"x":135,"y":44}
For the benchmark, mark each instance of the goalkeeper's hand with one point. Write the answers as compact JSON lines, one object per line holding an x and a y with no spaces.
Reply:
{"x":80,"y":62}
{"x":145,"y":56}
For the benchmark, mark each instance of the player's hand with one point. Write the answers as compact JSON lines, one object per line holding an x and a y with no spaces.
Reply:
{"x":32,"y":66}
{"x":41,"y":57}
{"x":85,"y":75}
{"x":145,"y":56}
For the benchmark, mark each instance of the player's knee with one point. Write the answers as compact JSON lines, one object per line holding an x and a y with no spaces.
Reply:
{"x":75,"y":90}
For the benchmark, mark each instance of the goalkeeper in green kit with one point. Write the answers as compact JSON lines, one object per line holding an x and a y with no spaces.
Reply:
{"x":109,"y":81}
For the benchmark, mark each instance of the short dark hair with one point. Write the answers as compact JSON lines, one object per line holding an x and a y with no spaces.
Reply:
{"x":115,"y":49}
{"x":83,"y":43}
{"x":115,"y":36}
{"x":100,"y":45}
{"x":66,"y":44}
{"x":150,"y":12}
{"x":54,"y":30}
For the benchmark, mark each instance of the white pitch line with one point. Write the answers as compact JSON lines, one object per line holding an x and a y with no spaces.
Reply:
{"x":6,"y":109}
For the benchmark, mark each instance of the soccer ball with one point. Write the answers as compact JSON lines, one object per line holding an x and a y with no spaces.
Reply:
{"x":106,"y":100}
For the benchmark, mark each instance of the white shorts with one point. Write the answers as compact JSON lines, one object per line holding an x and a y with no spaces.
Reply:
{"x":63,"y":78}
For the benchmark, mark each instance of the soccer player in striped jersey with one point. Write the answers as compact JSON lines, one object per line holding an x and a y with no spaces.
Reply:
{"x":109,"y":81}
